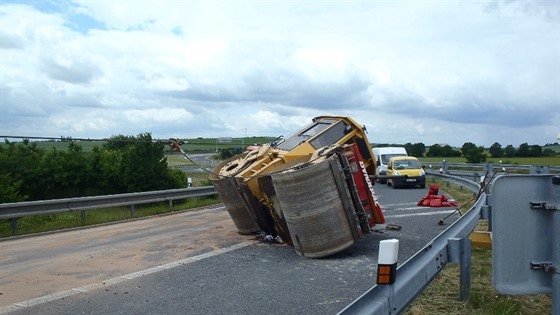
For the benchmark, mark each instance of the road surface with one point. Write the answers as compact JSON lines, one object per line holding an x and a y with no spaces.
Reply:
{"x":196,"y":263}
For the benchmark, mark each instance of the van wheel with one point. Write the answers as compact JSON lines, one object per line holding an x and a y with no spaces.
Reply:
{"x":388,"y":183}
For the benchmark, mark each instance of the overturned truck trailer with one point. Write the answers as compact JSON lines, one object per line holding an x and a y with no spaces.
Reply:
{"x":312,"y":189}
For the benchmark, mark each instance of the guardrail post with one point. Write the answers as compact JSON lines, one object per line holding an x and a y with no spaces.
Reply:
{"x":14,"y":226}
{"x":132,"y":211}
{"x":489,"y":214}
{"x":459,"y":250}
{"x":170,"y":203}
{"x":484,"y":212}
{"x":465,"y":266}
{"x":83,"y":216}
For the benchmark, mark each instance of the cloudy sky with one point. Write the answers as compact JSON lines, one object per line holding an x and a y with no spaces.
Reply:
{"x":445,"y":72}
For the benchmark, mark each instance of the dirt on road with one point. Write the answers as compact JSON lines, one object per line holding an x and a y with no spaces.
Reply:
{"x":40,"y":265}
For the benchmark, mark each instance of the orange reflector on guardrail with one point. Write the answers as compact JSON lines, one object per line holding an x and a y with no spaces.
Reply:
{"x":386,"y":274}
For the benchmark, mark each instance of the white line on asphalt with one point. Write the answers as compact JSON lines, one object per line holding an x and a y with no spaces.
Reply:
{"x":130,"y":276}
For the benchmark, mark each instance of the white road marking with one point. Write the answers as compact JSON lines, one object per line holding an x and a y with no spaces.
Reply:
{"x":130,"y":276}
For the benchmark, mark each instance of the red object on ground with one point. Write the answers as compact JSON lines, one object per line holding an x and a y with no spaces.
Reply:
{"x":434,"y":190}
{"x":433,"y":200}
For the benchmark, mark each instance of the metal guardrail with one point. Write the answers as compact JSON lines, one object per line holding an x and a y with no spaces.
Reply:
{"x":479,"y":169}
{"x":457,"y":179}
{"x":526,"y":246}
{"x":30,"y":208}
{"x":417,"y":272}
{"x":506,"y":167}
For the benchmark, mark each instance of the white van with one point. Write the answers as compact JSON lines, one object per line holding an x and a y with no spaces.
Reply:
{"x":383,"y":155}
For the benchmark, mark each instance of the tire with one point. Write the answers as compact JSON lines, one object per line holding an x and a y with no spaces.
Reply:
{"x":382,"y":181}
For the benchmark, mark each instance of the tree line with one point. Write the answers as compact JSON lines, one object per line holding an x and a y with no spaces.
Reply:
{"x":135,"y":164}
{"x":477,"y":154}
{"x":123,"y":164}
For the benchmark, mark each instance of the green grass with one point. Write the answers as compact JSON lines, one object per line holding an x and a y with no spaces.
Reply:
{"x":87,"y":146}
{"x":213,"y":144}
{"x":442,"y":295}
{"x":543,"y":160}
{"x":195,"y":145}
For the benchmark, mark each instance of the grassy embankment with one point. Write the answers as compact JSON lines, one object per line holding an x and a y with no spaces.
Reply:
{"x":442,"y":295}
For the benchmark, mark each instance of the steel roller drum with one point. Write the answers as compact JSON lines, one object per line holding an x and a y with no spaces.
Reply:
{"x":313,"y":204}
{"x":231,"y":196}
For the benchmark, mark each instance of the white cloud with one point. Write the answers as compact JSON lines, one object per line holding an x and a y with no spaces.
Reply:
{"x":432,"y":72}
{"x":81,"y":124}
{"x":158,"y":115}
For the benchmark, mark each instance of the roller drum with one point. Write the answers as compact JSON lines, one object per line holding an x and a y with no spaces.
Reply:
{"x":315,"y":213}
{"x":243,"y":218}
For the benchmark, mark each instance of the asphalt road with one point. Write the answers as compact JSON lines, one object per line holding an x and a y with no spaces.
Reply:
{"x":196,"y":263}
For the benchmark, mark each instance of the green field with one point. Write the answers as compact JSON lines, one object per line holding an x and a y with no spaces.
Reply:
{"x":213,"y":144}
{"x":199,"y":145}
{"x":87,"y":146}
{"x":544,"y":160}
{"x":190,"y":145}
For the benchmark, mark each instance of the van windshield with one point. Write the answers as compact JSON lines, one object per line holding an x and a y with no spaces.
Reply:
{"x":386,"y":157}
{"x":407,"y":164}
